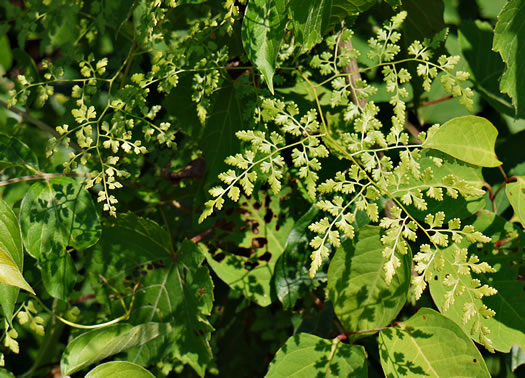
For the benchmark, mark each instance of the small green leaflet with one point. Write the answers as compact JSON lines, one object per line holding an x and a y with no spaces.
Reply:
{"x":98,"y":344}
{"x":516,"y":194}
{"x":263,"y":29}
{"x":468,"y":138}
{"x":409,"y":349}
{"x":119,"y":369}
{"x":508,"y":34}
{"x":306,"y":355}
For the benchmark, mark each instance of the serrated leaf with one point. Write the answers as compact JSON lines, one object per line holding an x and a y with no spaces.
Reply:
{"x":357,"y":285}
{"x":305,"y":355}
{"x":508,"y":34}
{"x":263,"y":29}
{"x":11,"y":260}
{"x":507,"y":326}
{"x":486,"y":67}
{"x":98,"y":344}
{"x":291,"y":278}
{"x":119,"y":369}
{"x":516,"y":194}
{"x":469,"y":138}
{"x":409,"y":348}
{"x":309,"y":19}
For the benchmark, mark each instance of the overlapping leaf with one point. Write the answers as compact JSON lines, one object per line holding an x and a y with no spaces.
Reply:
{"x":516,"y":195}
{"x":119,"y":369}
{"x":305,"y":355}
{"x":507,"y":326}
{"x":469,"y":138}
{"x":357,"y":286}
{"x":409,"y":349}
{"x":98,"y":344}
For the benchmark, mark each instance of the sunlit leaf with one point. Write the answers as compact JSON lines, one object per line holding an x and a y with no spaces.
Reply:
{"x":468,"y":138}
{"x":119,"y":369}
{"x":305,"y":355}
{"x":516,"y":194}
{"x":409,"y":348}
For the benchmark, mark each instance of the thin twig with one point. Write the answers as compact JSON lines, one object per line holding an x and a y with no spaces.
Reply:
{"x":436,"y":101}
{"x":29,"y":118}
{"x":43,"y":176}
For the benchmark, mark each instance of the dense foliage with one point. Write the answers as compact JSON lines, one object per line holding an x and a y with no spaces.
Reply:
{"x":280,"y":187}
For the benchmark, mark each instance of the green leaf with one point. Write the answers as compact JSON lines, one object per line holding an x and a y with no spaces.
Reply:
{"x":11,"y":261}
{"x":119,"y":369}
{"x":460,"y":207}
{"x":309,"y":20}
{"x":341,"y":9}
{"x":507,"y":325}
{"x":93,"y":346}
{"x":517,"y":357}
{"x":410,"y":349}
{"x":225,"y":120}
{"x":516,"y":194}
{"x":181,"y":294}
{"x":263,"y":29}
{"x":58,"y":274}
{"x":253,"y":274}
{"x":16,"y":153}
{"x":55,"y":214}
{"x":305,"y":355}
{"x":485,"y":65}
{"x":291,"y":277}
{"x":508,"y":36}
{"x":356,"y":283}
{"x":468,"y":138}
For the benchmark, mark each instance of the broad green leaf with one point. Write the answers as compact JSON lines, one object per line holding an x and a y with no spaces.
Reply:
{"x":486,"y":66}
{"x":309,"y":19}
{"x":516,"y":194}
{"x":306,"y":355}
{"x":356,"y":283}
{"x":119,"y":369}
{"x":468,"y":138}
{"x":6,"y":57}
{"x":224,"y":121}
{"x":263,"y":29}
{"x":55,"y":214}
{"x":178,"y":291}
{"x":13,"y":152}
{"x":460,"y":207}
{"x":508,"y":36}
{"x":11,"y":260}
{"x":431,"y":345}
{"x":98,"y":344}
{"x":252,"y":272}
{"x":507,"y":327}
{"x":58,"y":274}
{"x":291,"y":277}
{"x":341,"y":9}
{"x":5,"y":373}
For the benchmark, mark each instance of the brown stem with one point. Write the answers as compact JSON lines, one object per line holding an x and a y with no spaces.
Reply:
{"x":413,"y":131}
{"x":43,"y":176}
{"x":436,"y":101}
{"x":352,"y":69}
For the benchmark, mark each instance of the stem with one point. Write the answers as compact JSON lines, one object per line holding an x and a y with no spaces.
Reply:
{"x":42,"y":176}
{"x":30,"y":119}
{"x":48,"y":347}
{"x":436,"y":101}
